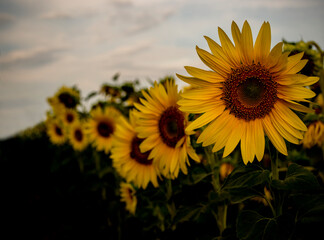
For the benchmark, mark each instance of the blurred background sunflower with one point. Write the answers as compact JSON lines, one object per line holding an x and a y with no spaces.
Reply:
{"x":101,"y":127}
{"x":77,"y":136}
{"x":127,"y":195}
{"x":129,"y":161}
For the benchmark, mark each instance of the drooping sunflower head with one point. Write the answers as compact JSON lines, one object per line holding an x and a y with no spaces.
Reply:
{"x":65,"y":97}
{"x":162,"y":124}
{"x":314,"y":63}
{"x":248,"y":93}
{"x":132,"y":164}
{"x":55,"y":131}
{"x":78,"y":137}
{"x":128,"y":195}
{"x":101,"y":127}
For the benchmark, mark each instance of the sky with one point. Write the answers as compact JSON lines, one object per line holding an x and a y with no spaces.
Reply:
{"x":47,"y":44}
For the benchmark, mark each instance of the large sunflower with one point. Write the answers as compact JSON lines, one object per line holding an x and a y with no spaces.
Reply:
{"x":77,"y":136}
{"x":249,"y":93}
{"x":127,"y":158}
{"x":101,"y":127}
{"x":163,"y":125}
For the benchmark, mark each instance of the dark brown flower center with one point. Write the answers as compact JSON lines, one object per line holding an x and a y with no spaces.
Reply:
{"x":250,"y":92}
{"x":67,"y":100}
{"x":105,"y":129}
{"x":78,"y":135}
{"x":136,"y":153}
{"x":58,"y":131}
{"x":171,"y":126}
{"x":69,"y":117}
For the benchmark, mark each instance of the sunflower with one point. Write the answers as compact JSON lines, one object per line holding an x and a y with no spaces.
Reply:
{"x":249,"y":93}
{"x":55,"y":131}
{"x":127,"y":158}
{"x":101,"y":127}
{"x":127,"y":194}
{"x":162,"y":124}
{"x":65,"y":97}
{"x":77,"y":136}
{"x":69,"y":117}
{"x":314,"y":135}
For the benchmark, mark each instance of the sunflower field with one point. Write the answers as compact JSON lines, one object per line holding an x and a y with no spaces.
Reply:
{"x":238,"y":153}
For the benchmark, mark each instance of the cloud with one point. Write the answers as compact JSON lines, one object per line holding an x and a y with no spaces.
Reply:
{"x":30,"y":58}
{"x":6,"y":18}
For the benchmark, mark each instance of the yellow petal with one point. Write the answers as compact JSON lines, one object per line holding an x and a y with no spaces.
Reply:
{"x":298,"y":107}
{"x":212,"y":62}
{"x":286,"y":125}
{"x":228,"y":48}
{"x":202,"y":107}
{"x":224,"y":134}
{"x":294,"y":92}
{"x":218,"y":52}
{"x":298,"y":67}
{"x":245,"y":145}
{"x":289,"y":116}
{"x":274,"y":136}
{"x":237,"y":37}
{"x":259,"y":139}
{"x":202,"y":93}
{"x":195,"y":81}
{"x":205,"y":118}
{"x":234,"y":138}
{"x":262,"y":43}
{"x":283,"y":131}
{"x":274,"y":55}
{"x":208,"y":76}
{"x":247,"y":43}
{"x":209,"y":135}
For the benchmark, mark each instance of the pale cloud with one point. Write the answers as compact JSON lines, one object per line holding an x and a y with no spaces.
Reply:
{"x":33,"y":57}
{"x":6,"y":18}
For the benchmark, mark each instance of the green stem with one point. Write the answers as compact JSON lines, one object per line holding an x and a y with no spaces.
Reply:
{"x":271,"y":207}
{"x":274,"y":166}
{"x":212,"y":163}
{"x":225,"y":217}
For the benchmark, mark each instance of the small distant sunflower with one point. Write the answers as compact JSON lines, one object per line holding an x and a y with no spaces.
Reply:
{"x":127,"y":194}
{"x":56,"y":131}
{"x":314,"y":135}
{"x":248,"y":93}
{"x":65,"y":97}
{"x":127,"y":158}
{"x":69,"y":117}
{"x":162,"y":124}
{"x":78,"y":137}
{"x":101,"y":127}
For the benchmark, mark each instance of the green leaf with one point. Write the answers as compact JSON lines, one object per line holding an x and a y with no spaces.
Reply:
{"x":298,"y":179}
{"x":310,"y":208}
{"x":245,"y":182}
{"x":90,"y":95}
{"x":252,"y":225}
{"x":200,"y":176}
{"x":246,"y":177}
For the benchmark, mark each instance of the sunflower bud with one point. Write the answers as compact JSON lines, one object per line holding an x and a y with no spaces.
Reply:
{"x":224,"y":170}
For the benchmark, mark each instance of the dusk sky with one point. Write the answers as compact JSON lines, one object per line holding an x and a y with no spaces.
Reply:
{"x":47,"y":44}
